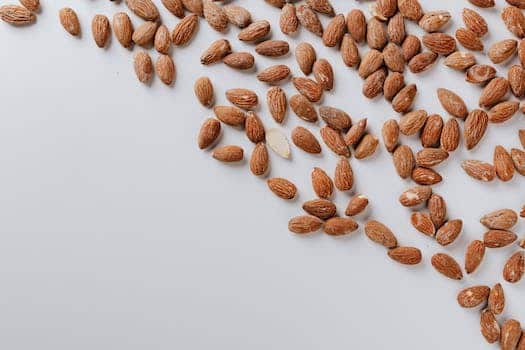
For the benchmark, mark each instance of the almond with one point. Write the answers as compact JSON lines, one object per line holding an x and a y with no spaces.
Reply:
{"x":379,"y":233}
{"x":514,"y":268}
{"x":255,"y":31}
{"x":237,"y":15}
{"x":186,"y":29}
{"x":412,"y":122}
{"x":411,"y":47}
{"x":503,"y":163}
{"x":304,"y":224}
{"x":324,"y":74}
{"x":145,"y":9}
{"x":175,"y":7}
{"x":393,"y":58}
{"x":356,"y":205}
{"x":431,"y":133}
{"x":447,"y":266}
{"x":334,"y":140}
{"x":430,"y":157}
{"x":228,"y":154}
{"x":423,"y":223}
{"x":123,"y":29}
{"x":239,"y":60}
{"x":404,"y":161}
{"x":274,"y":74}
{"x":335,"y":118}
{"x":424,"y":176}
{"x":272,"y":48}
{"x":475,"y":22}
{"x":390,"y":133}
{"x":406,"y":255}
{"x":143,"y":66}
{"x":31,"y":5}
{"x":489,"y":326}
{"x":449,"y":232}
{"x":321,"y":208}
{"x":499,"y":238}
{"x":372,"y":61}
{"x":519,"y":4}
{"x":502,"y":50}
{"x":344,"y":175}
{"x":514,"y":20}
{"x":475,"y":127}
{"x":305,"y":56}
{"x":194,"y":6}
{"x":259,"y":161}
{"x":510,"y":334}
{"x":162,"y":40}
{"x":349,"y":51}
{"x":473,"y":296}
{"x":321,"y":183}
{"x":469,"y":39}
{"x":355,"y":133}
{"x":373,"y":84}
{"x":340,"y":226}
{"x":100,"y":30}
{"x":209,"y":133}
{"x":305,"y":140}
{"x":521,"y":52}
{"x":518,"y":158}
{"x":366,"y":147}
{"x":309,"y":20}
{"x":410,"y":9}
{"x":385,"y":9}
{"x":242,"y":98}
{"x":437,"y":209}
{"x":502,"y":219}
{"x":516,"y":77}
{"x":203,"y":89}
{"x":215,"y":15}
{"x":276,"y":3}
{"x":440,"y":43}
{"x":144,"y":34}
{"x":334,"y":32}
{"x":496,"y":301}
{"x":450,"y":135}
{"x":276,"y":100}
{"x":395,"y":30}
{"x":303,"y":108}
{"x":433,"y":21}
{"x":480,"y":73}
{"x":165,"y":69}
{"x":308,"y":88}
{"x":474,"y":255}
{"x":421,"y":62}
{"x":452,"y":103}
{"x":460,"y":60}
{"x":68,"y":18}
{"x":479,"y":170}
{"x":415,"y":196}
{"x":282,"y":188}
{"x":521,"y":134}
{"x":321,"y":6}
{"x":278,"y":142}
{"x":404,"y":99}
{"x":503,"y":111}
{"x":482,"y":3}
{"x":214,"y":53}
{"x":288,"y":21}
{"x":230,"y":115}
{"x":254,"y":128}
{"x":376,"y":36}
{"x":356,"y":25}
{"x":394,"y":82}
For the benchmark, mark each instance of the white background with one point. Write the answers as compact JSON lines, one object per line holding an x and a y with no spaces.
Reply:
{"x":117,"y":232}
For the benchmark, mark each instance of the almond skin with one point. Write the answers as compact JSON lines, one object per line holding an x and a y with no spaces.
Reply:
{"x":379,"y":233}
{"x":415,"y":196}
{"x":209,"y":133}
{"x":499,"y":238}
{"x":304,"y":224}
{"x":334,"y":140}
{"x":423,"y":223}
{"x":340,"y":226}
{"x":259,"y":161}
{"x":479,"y":170}
{"x":474,"y":255}
{"x":510,"y":334}
{"x":514,"y":268}
{"x":186,"y":29}
{"x":344,"y":175}
{"x":437,"y":209}
{"x":68,"y":19}
{"x":203,"y":89}
{"x":321,"y":208}
{"x":494,"y":92}
{"x":282,"y":188}
{"x":406,"y":255}
{"x":489,"y":326}
{"x":228,"y":153}
{"x":123,"y":29}
{"x":214,"y":53}
{"x":321,"y":183}
{"x":447,"y":266}
{"x":305,"y":140}
{"x":452,"y":103}
{"x":503,"y":163}
{"x":473,"y":296}
{"x":356,"y":205}
{"x":277,"y":103}
{"x":475,"y":127}
{"x":404,"y":161}
{"x":449,"y":232}
{"x":496,"y":302}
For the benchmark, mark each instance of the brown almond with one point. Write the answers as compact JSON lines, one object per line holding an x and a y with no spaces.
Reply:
{"x":259,"y":161}
{"x":460,"y":60}
{"x":239,"y":60}
{"x":238,"y":15}
{"x":372,"y":61}
{"x":502,"y":50}
{"x":309,"y":20}
{"x":255,"y":31}
{"x":425,"y":176}
{"x":274,"y":74}
{"x":415,"y":196}
{"x":499,"y":238}
{"x":276,"y":3}
{"x":143,"y":66}
{"x":303,"y":108}
{"x":379,"y":233}
{"x":324,"y":74}
{"x":514,"y":268}
{"x":321,"y":6}
{"x":100,"y":29}
{"x":340,"y":226}
{"x":518,"y":158}
{"x":356,"y":25}
{"x":373,"y":84}
{"x":521,"y":134}
{"x":479,"y":170}
{"x":145,"y":9}
{"x":214,"y":53}
{"x":194,"y":6}
{"x":334,"y":140}
{"x":394,"y":82}
{"x":335,"y":118}
{"x":406,"y":255}
{"x":440,"y":43}
{"x":215,"y":15}
{"x":228,"y":153}
{"x":230,"y":115}
{"x":433,"y":21}
{"x":447,"y":266}
{"x":321,"y":183}
{"x":489,"y":326}
{"x":412,"y":122}
{"x":390,"y":133}
{"x":144,"y":34}
{"x":305,"y":140}
{"x":356,"y":132}
{"x":404,"y":99}
{"x":510,"y":334}
{"x":254,"y":128}
{"x":31,"y":5}
{"x":411,"y":47}
{"x":308,"y":88}
{"x":272,"y":48}
{"x":503,"y":163}
{"x":186,"y":29}
{"x":349,"y":51}
{"x":334,"y":31}
{"x":304,"y":224}
{"x":480,"y":73}
{"x":203,"y":89}
{"x":482,"y":3}
{"x":422,"y":62}
{"x":475,"y":22}
{"x":175,"y":7}
{"x":404,"y":161}
{"x":321,"y":208}
{"x":162,"y":40}
{"x":514,"y":20}
{"x":410,"y":9}
{"x":496,"y":302}
{"x":366,"y":147}
{"x":123,"y":29}
{"x":282,"y":188}
{"x":475,"y":127}
{"x":393,"y":58}
{"x":165,"y":69}
{"x":521,"y":52}
{"x":437,"y":209}
{"x":450,"y":135}
{"x":384,"y":9}
{"x":288,"y":21}
{"x":473,"y":296}
{"x":519,"y":4}
{"x":516,"y":77}
{"x":209,"y":133}
{"x":242,"y":98}
{"x":376,"y":36}
{"x":449,"y":232}
{"x":344,"y":175}
{"x":452,"y":103}
{"x":423,"y":223}
{"x":474,"y":255}
{"x":469,"y":39}
{"x":277,"y":103}
{"x":396,"y":31}
{"x":502,"y":219}
{"x":68,"y":19}
{"x":356,"y":205}
{"x":503,"y":111}
{"x":431,"y":133}
{"x":305,"y":56}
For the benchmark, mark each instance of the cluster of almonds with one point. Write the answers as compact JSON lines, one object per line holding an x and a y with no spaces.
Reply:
{"x":381,"y":68}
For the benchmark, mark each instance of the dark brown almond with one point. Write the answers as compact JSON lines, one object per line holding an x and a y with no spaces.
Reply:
{"x":404,"y":99}
{"x":510,"y":334}
{"x":411,"y":47}
{"x":321,"y":6}
{"x":366,"y":147}
{"x":431,"y":133}
{"x":379,"y":233}
{"x":394,"y":82}
{"x":274,"y":74}
{"x":242,"y":98}
{"x":334,"y":31}
{"x":308,"y":88}
{"x":396,"y":30}
{"x":447,"y":266}
{"x":503,"y":163}
{"x":356,"y":132}
{"x":393,"y":57}
{"x":349,"y":51}
{"x":288,"y":21}
{"x":437,"y":209}
{"x":376,"y":36}
{"x":373,"y":84}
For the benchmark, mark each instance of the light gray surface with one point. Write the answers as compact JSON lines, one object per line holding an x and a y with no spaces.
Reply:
{"x":118,"y":233}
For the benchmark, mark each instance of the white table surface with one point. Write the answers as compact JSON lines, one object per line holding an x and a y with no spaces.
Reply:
{"x":117,"y":232}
